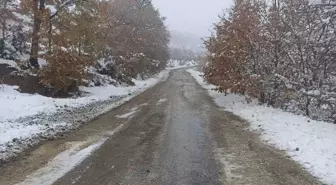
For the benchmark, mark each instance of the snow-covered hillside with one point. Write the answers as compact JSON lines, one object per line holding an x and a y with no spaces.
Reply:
{"x":311,"y":143}
{"x":26,"y":119}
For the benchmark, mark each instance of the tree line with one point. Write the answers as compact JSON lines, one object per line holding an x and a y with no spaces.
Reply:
{"x":281,"y":52}
{"x":72,"y":35}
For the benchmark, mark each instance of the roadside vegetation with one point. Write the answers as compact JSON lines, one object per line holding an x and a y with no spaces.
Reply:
{"x":62,"y":44}
{"x":280,"y":52}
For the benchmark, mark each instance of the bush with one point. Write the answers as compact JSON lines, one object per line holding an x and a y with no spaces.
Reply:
{"x":65,"y":70}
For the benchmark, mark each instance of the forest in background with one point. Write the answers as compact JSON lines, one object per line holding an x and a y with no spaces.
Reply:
{"x":67,"y":43}
{"x":281,"y":52}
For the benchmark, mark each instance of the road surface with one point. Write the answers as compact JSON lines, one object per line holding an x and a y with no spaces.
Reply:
{"x":174,"y":134}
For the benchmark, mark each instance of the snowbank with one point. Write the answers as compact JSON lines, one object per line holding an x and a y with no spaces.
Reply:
{"x":25,"y":119}
{"x":309,"y":142}
{"x":175,"y":64}
{"x":10,"y":63}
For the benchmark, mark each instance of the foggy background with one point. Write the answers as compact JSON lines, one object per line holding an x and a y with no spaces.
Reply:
{"x":190,"y":20}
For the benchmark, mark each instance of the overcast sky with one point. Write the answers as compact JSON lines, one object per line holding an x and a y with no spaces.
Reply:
{"x":193,"y":16}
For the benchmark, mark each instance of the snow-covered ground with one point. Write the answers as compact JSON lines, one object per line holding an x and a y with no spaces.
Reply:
{"x":10,"y":63}
{"x":176,"y":64}
{"x":311,"y":143}
{"x":26,"y":119}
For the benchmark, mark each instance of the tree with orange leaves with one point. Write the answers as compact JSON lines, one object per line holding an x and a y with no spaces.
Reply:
{"x":230,"y":49}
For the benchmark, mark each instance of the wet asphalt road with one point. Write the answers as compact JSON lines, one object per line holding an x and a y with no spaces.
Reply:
{"x":178,"y":136}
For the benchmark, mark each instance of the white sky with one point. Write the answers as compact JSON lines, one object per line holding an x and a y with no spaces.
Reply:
{"x":192,"y":16}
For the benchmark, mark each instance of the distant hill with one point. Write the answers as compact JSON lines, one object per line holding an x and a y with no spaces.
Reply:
{"x":185,"y":46}
{"x":186,"y":41}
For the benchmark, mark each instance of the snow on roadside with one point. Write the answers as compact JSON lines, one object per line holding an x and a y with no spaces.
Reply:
{"x":311,"y":143}
{"x":26,"y":119}
{"x":15,"y":105}
{"x":10,"y":63}
{"x":62,"y":163}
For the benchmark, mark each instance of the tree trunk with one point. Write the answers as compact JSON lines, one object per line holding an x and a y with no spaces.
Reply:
{"x":307,"y":106}
{"x":36,"y":29}
{"x":4,"y":29}
{"x":79,"y":48}
{"x":4,"y":23}
{"x":49,"y":36}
